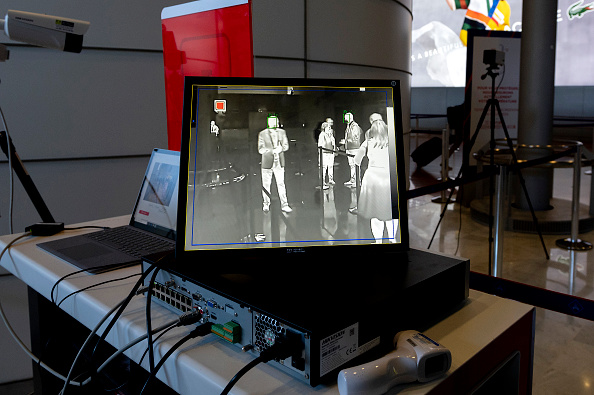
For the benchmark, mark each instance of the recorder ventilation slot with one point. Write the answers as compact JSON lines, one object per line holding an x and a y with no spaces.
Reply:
{"x":266,"y":331}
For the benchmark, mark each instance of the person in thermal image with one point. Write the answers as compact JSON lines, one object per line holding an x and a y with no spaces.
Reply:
{"x":214,"y":129}
{"x":482,"y":14}
{"x":375,"y":200}
{"x":352,"y":143}
{"x":327,"y":145}
{"x":272,"y":145}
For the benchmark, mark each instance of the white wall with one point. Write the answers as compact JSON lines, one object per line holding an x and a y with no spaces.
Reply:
{"x":335,"y":39}
{"x":106,"y":102}
{"x":99,"y":113}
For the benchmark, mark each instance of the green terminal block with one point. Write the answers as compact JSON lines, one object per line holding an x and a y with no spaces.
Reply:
{"x":231,"y":331}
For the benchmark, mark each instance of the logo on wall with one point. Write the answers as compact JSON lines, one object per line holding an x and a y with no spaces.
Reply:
{"x":577,"y":10}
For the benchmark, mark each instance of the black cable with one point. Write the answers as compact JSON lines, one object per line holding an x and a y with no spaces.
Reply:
{"x":11,"y":330}
{"x":135,"y":291}
{"x":147,"y":312}
{"x":120,"y":350}
{"x":242,"y":372}
{"x":121,"y":309}
{"x":156,"y":338}
{"x":187,"y":318}
{"x":96,"y":285}
{"x":54,"y":301}
{"x":93,"y":332}
{"x":125,"y":304}
{"x":55,"y":286}
{"x":102,"y":269}
{"x":59,"y":281}
{"x":282,"y":349}
{"x":201,"y":330}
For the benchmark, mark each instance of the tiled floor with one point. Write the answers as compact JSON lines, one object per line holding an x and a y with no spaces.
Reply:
{"x":564,"y":345}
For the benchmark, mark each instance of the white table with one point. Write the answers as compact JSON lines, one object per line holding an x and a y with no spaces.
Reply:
{"x":482,"y":335}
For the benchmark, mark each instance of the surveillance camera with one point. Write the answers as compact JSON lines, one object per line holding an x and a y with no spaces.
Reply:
{"x":45,"y":30}
{"x":493,"y":57}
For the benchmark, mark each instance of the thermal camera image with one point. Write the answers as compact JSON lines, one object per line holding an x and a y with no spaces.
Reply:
{"x":293,"y":166}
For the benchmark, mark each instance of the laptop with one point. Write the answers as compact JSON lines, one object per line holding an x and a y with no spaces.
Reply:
{"x":152,"y":226}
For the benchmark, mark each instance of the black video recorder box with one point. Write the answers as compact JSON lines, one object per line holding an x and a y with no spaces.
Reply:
{"x":341,"y":317}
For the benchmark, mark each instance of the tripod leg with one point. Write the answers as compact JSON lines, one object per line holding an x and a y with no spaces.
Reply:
{"x":479,"y":126}
{"x":443,"y":211}
{"x":491,"y":183}
{"x":472,"y":141}
{"x":521,"y":178}
{"x":19,"y":168}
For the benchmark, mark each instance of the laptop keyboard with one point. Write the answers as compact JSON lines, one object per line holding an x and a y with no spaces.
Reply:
{"x":131,"y":241}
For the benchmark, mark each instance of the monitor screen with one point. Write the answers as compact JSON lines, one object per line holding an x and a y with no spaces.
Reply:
{"x":291,"y":166}
{"x":156,"y":206}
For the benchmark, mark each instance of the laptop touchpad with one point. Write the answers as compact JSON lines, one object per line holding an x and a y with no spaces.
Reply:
{"x":85,"y":251}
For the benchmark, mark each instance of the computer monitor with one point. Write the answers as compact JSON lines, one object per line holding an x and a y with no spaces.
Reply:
{"x":279,"y":167}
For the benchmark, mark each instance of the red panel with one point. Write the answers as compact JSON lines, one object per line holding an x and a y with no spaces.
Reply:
{"x":209,"y":43}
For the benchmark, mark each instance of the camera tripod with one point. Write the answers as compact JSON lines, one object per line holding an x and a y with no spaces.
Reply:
{"x":492,"y":105}
{"x":19,"y":168}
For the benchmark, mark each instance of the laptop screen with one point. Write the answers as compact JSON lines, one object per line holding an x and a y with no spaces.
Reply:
{"x":291,"y":165}
{"x":156,"y":207}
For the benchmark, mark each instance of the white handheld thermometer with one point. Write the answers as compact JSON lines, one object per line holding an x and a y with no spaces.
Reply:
{"x":416,"y":358}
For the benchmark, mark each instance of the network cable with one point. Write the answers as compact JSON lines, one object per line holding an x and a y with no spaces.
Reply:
{"x":201,"y":330}
{"x":36,"y":359}
{"x":121,"y":309}
{"x":93,"y":332}
{"x":100,"y":268}
{"x":126,"y":302}
{"x":154,"y":340}
{"x":91,"y":335}
{"x":149,"y":320}
{"x":96,"y":285}
{"x":59,"y":281}
{"x":184,"y":319}
{"x":13,"y":333}
{"x":191,"y":317}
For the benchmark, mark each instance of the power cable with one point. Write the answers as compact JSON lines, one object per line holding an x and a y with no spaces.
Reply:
{"x":282,"y":349}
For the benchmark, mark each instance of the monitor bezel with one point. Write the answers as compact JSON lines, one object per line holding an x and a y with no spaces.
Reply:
{"x":288,"y":252}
